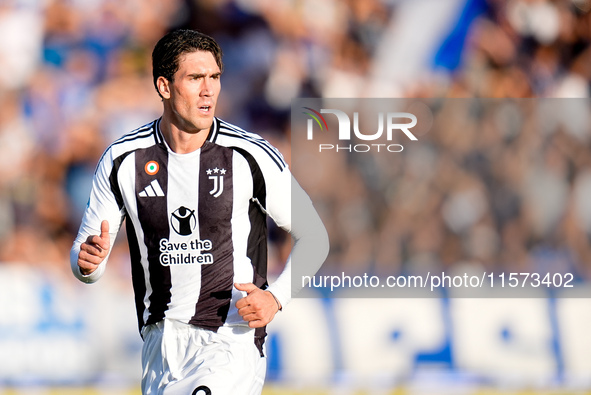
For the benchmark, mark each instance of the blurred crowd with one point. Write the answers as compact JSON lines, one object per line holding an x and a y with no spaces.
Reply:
{"x":491,"y":185}
{"x":76,"y":74}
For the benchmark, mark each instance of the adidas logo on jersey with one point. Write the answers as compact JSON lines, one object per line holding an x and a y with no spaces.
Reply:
{"x":152,"y":190}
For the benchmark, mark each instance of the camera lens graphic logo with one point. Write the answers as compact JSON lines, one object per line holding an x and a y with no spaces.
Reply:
{"x":183,"y":221}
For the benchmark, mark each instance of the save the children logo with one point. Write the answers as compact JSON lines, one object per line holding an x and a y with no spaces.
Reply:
{"x":183,"y":221}
{"x":389,"y":124}
{"x":185,"y":251}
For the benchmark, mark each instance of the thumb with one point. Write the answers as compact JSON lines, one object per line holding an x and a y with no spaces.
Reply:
{"x":105,"y":230}
{"x":247,"y":287}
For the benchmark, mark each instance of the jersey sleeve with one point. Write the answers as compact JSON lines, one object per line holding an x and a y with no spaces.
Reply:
{"x":291,"y":208}
{"x":102,"y":205}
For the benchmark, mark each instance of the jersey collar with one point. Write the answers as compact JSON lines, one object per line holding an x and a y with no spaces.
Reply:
{"x":211,"y":137}
{"x":213,"y":131}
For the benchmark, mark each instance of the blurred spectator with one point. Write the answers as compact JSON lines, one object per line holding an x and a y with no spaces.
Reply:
{"x":21,"y":37}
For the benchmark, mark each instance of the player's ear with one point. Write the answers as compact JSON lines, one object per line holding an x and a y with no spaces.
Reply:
{"x":163,"y":87}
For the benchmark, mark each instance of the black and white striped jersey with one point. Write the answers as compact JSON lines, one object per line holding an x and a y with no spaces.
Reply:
{"x":196,"y":222}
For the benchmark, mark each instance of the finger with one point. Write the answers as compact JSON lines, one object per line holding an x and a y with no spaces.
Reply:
{"x":256,"y":324}
{"x":93,"y":249}
{"x":99,"y":242}
{"x":246,"y":287}
{"x":251,"y":317}
{"x":86,"y":267}
{"x":246,"y":310}
{"x":242,"y":303}
{"x":105,"y":231}
{"x":84,"y":256}
{"x":89,"y":257}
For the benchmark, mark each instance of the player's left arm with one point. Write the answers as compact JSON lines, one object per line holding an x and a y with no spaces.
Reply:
{"x":286,"y":200}
{"x":294,"y":212}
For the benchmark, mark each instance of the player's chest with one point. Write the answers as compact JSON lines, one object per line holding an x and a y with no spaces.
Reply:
{"x":179,"y":192}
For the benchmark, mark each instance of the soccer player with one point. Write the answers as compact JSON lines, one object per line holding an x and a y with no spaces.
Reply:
{"x":195,"y":192}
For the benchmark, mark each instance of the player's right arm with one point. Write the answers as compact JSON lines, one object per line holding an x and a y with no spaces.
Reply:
{"x":100,"y":224}
{"x":94,"y":250}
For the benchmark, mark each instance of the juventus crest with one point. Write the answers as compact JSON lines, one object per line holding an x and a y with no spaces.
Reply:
{"x":217,"y":175}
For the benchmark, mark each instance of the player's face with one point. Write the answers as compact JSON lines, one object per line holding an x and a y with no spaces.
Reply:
{"x":194,"y":92}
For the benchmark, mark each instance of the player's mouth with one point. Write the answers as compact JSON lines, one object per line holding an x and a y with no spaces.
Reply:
{"x":206,"y":109}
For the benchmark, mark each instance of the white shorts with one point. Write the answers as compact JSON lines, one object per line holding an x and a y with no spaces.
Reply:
{"x":182,"y":359}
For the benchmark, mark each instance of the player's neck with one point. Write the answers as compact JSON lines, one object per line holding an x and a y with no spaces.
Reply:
{"x":179,"y":140}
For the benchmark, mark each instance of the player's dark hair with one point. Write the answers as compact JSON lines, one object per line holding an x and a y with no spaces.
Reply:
{"x":168,"y":50}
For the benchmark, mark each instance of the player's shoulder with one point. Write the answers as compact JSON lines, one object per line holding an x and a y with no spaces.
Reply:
{"x":248,"y":144}
{"x":141,"y":137}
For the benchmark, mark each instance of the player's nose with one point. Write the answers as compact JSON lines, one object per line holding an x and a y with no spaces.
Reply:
{"x":207,"y":89}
